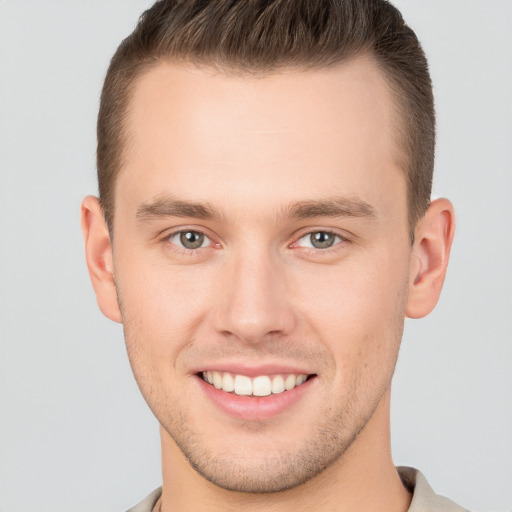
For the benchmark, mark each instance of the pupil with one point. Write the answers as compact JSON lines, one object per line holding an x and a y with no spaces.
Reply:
{"x":191,"y":239}
{"x":322,"y":240}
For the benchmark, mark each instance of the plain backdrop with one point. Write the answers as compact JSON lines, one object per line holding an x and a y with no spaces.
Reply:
{"x":75,"y":434}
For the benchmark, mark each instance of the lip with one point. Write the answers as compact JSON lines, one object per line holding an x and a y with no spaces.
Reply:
{"x":250,"y":408}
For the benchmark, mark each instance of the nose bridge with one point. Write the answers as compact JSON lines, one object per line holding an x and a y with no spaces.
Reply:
{"x":254,"y":302}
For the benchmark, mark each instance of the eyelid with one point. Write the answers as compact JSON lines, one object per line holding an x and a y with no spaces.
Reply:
{"x":177,"y":233}
{"x":310,"y":232}
{"x":166,"y":236}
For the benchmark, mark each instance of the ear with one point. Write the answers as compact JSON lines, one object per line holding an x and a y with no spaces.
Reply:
{"x":430,"y":254}
{"x":98,"y":253}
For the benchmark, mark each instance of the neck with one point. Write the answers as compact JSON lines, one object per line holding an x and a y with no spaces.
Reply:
{"x":364,"y":478}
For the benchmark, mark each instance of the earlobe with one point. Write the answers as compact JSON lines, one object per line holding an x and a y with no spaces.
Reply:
{"x":430,"y":255}
{"x":98,"y":253}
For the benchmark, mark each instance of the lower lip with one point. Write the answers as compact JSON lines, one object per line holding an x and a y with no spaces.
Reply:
{"x":252,"y":408}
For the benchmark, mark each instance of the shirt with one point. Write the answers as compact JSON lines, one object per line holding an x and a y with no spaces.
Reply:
{"x":424,"y":499}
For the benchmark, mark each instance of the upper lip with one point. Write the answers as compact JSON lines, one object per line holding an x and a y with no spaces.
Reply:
{"x":253,"y":370}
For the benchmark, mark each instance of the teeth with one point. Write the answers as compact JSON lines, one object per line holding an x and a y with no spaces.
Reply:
{"x":263,"y":385}
{"x":228,"y":383}
{"x":301,"y":379}
{"x":277,"y":385}
{"x":290,"y":382}
{"x":217,"y":380}
{"x":243,"y":385}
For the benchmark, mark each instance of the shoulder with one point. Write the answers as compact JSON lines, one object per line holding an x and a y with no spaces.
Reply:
{"x":424,"y":499}
{"x":147,"y":504}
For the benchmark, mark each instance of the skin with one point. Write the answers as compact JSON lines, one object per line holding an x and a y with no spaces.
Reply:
{"x":252,"y":152}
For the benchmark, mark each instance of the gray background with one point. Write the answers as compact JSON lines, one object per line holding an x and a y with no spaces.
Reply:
{"x":75,"y":435}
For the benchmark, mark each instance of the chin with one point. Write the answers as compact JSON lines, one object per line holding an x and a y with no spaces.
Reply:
{"x":260,"y":469}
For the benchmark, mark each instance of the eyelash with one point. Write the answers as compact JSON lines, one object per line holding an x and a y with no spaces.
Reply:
{"x":340,"y":240}
{"x":183,"y":250}
{"x":191,"y":252}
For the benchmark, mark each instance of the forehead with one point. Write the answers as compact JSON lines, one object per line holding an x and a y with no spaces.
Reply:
{"x":197,"y":133}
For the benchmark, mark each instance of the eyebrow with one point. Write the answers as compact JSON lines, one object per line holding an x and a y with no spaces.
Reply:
{"x":331,"y":207}
{"x":167,"y":206}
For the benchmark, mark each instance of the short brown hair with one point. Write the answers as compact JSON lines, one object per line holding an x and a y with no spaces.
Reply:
{"x":261,"y":36}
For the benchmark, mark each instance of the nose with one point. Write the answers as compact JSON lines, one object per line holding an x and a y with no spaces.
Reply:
{"x":255,"y":301}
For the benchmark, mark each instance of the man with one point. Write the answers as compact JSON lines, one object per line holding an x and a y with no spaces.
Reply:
{"x":263,"y":228}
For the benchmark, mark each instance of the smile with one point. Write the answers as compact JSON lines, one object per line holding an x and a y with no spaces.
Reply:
{"x":262,"y":385}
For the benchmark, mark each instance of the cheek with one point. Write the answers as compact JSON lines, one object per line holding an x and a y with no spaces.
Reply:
{"x":162,"y":306}
{"x":357,"y":311}
{"x":161,"y":309}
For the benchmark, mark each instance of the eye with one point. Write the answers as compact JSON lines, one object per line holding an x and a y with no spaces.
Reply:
{"x":189,"y":239}
{"x":319,"y":240}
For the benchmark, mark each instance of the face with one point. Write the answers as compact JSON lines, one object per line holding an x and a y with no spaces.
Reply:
{"x":261,"y":257}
